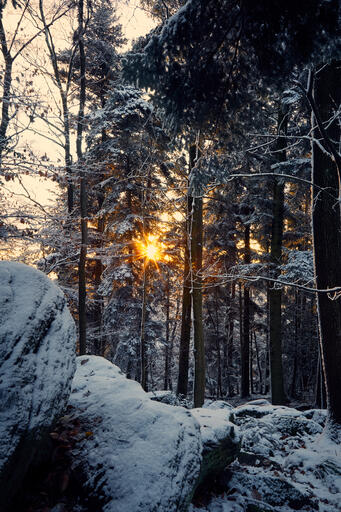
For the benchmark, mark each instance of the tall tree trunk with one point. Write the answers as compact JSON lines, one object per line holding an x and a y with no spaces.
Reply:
{"x":241,"y":327}
{"x":199,"y":343}
{"x":143,"y":348}
{"x":172,"y":338}
{"x":83,"y":188}
{"x":260,"y":375}
{"x":64,"y":100}
{"x":167,"y":347}
{"x":320,"y":391}
{"x":218,"y":347}
{"x":196,"y":241}
{"x":185,"y":333}
{"x":229,"y":357}
{"x":275,"y":294}
{"x":266,"y":379}
{"x":293,"y":388}
{"x":6,"y":93}
{"x":326,"y":170}
{"x":245,"y":339}
{"x":99,"y":344}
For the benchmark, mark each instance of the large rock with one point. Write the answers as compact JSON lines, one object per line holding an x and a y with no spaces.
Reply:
{"x":136,"y":455}
{"x":262,"y":489}
{"x":266,"y":427}
{"x":37,"y":363}
{"x":220,"y":438}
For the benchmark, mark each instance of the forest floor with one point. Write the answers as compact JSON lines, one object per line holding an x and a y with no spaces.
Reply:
{"x":285,"y":464}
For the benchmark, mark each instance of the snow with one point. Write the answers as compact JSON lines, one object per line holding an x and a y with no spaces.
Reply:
{"x":289,"y":463}
{"x":141,"y":455}
{"x":299,"y":267}
{"x":215,"y":426}
{"x":217,"y":404}
{"x":37,"y":355}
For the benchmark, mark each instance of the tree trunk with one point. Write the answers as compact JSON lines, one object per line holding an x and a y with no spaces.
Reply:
{"x":320,"y":391}
{"x":83,"y":190}
{"x":293,"y":388}
{"x":99,"y":343}
{"x":196,"y":267}
{"x":327,"y":232}
{"x":185,"y":335}
{"x":260,"y":375}
{"x":143,"y":348}
{"x":218,"y":348}
{"x":172,"y":338}
{"x":64,"y":97}
{"x":5,"y":95}
{"x":167,"y":348}
{"x":275,"y":294}
{"x":245,"y":339}
{"x":199,"y":343}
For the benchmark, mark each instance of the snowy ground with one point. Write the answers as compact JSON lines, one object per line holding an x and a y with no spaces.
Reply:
{"x":286,"y":464}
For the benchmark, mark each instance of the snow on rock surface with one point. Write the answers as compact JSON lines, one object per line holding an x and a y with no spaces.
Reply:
{"x":37,"y":363}
{"x":217,"y":404}
{"x":286,"y":463}
{"x":265,"y":426}
{"x":137,"y":455}
{"x":221,"y":440}
{"x":169,"y":397}
{"x":272,"y":490}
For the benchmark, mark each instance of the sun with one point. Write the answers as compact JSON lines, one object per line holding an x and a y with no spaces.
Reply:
{"x":150,"y":248}
{"x":152,"y":252}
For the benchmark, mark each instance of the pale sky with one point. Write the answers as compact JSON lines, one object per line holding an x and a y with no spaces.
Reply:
{"x":135,"y":22}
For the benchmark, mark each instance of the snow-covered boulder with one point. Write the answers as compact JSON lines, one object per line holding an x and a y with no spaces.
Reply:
{"x":217,"y":404}
{"x":136,"y":455}
{"x":261,"y":490}
{"x":286,"y":462}
{"x":220,"y":438}
{"x":264,"y":427}
{"x":169,"y":398}
{"x":37,"y":363}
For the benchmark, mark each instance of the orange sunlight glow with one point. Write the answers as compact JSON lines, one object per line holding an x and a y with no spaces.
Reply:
{"x":150,"y":248}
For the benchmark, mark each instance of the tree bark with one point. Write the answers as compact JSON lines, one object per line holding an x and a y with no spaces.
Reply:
{"x":167,"y":347}
{"x":260,"y":375}
{"x":6,"y":93}
{"x":64,"y":100}
{"x":218,"y":348}
{"x":199,"y":343}
{"x":83,"y":189}
{"x":245,"y":338}
{"x":275,"y":294}
{"x":196,"y":241}
{"x":327,"y":232}
{"x":185,"y":334}
{"x":143,"y":348}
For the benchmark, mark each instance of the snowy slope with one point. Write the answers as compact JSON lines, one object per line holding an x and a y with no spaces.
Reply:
{"x":139,"y":455}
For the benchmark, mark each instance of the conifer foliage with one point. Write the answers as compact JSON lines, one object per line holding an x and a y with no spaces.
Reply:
{"x":189,"y":173}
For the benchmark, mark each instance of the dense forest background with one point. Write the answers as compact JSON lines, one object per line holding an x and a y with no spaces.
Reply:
{"x":197,"y":183}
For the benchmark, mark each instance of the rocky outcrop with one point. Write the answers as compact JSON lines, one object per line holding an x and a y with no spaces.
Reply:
{"x":261,"y":491}
{"x":37,"y":363}
{"x":265,"y":426}
{"x":217,"y":404}
{"x":284,"y":463}
{"x":137,"y":454}
{"x":220,"y":438}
